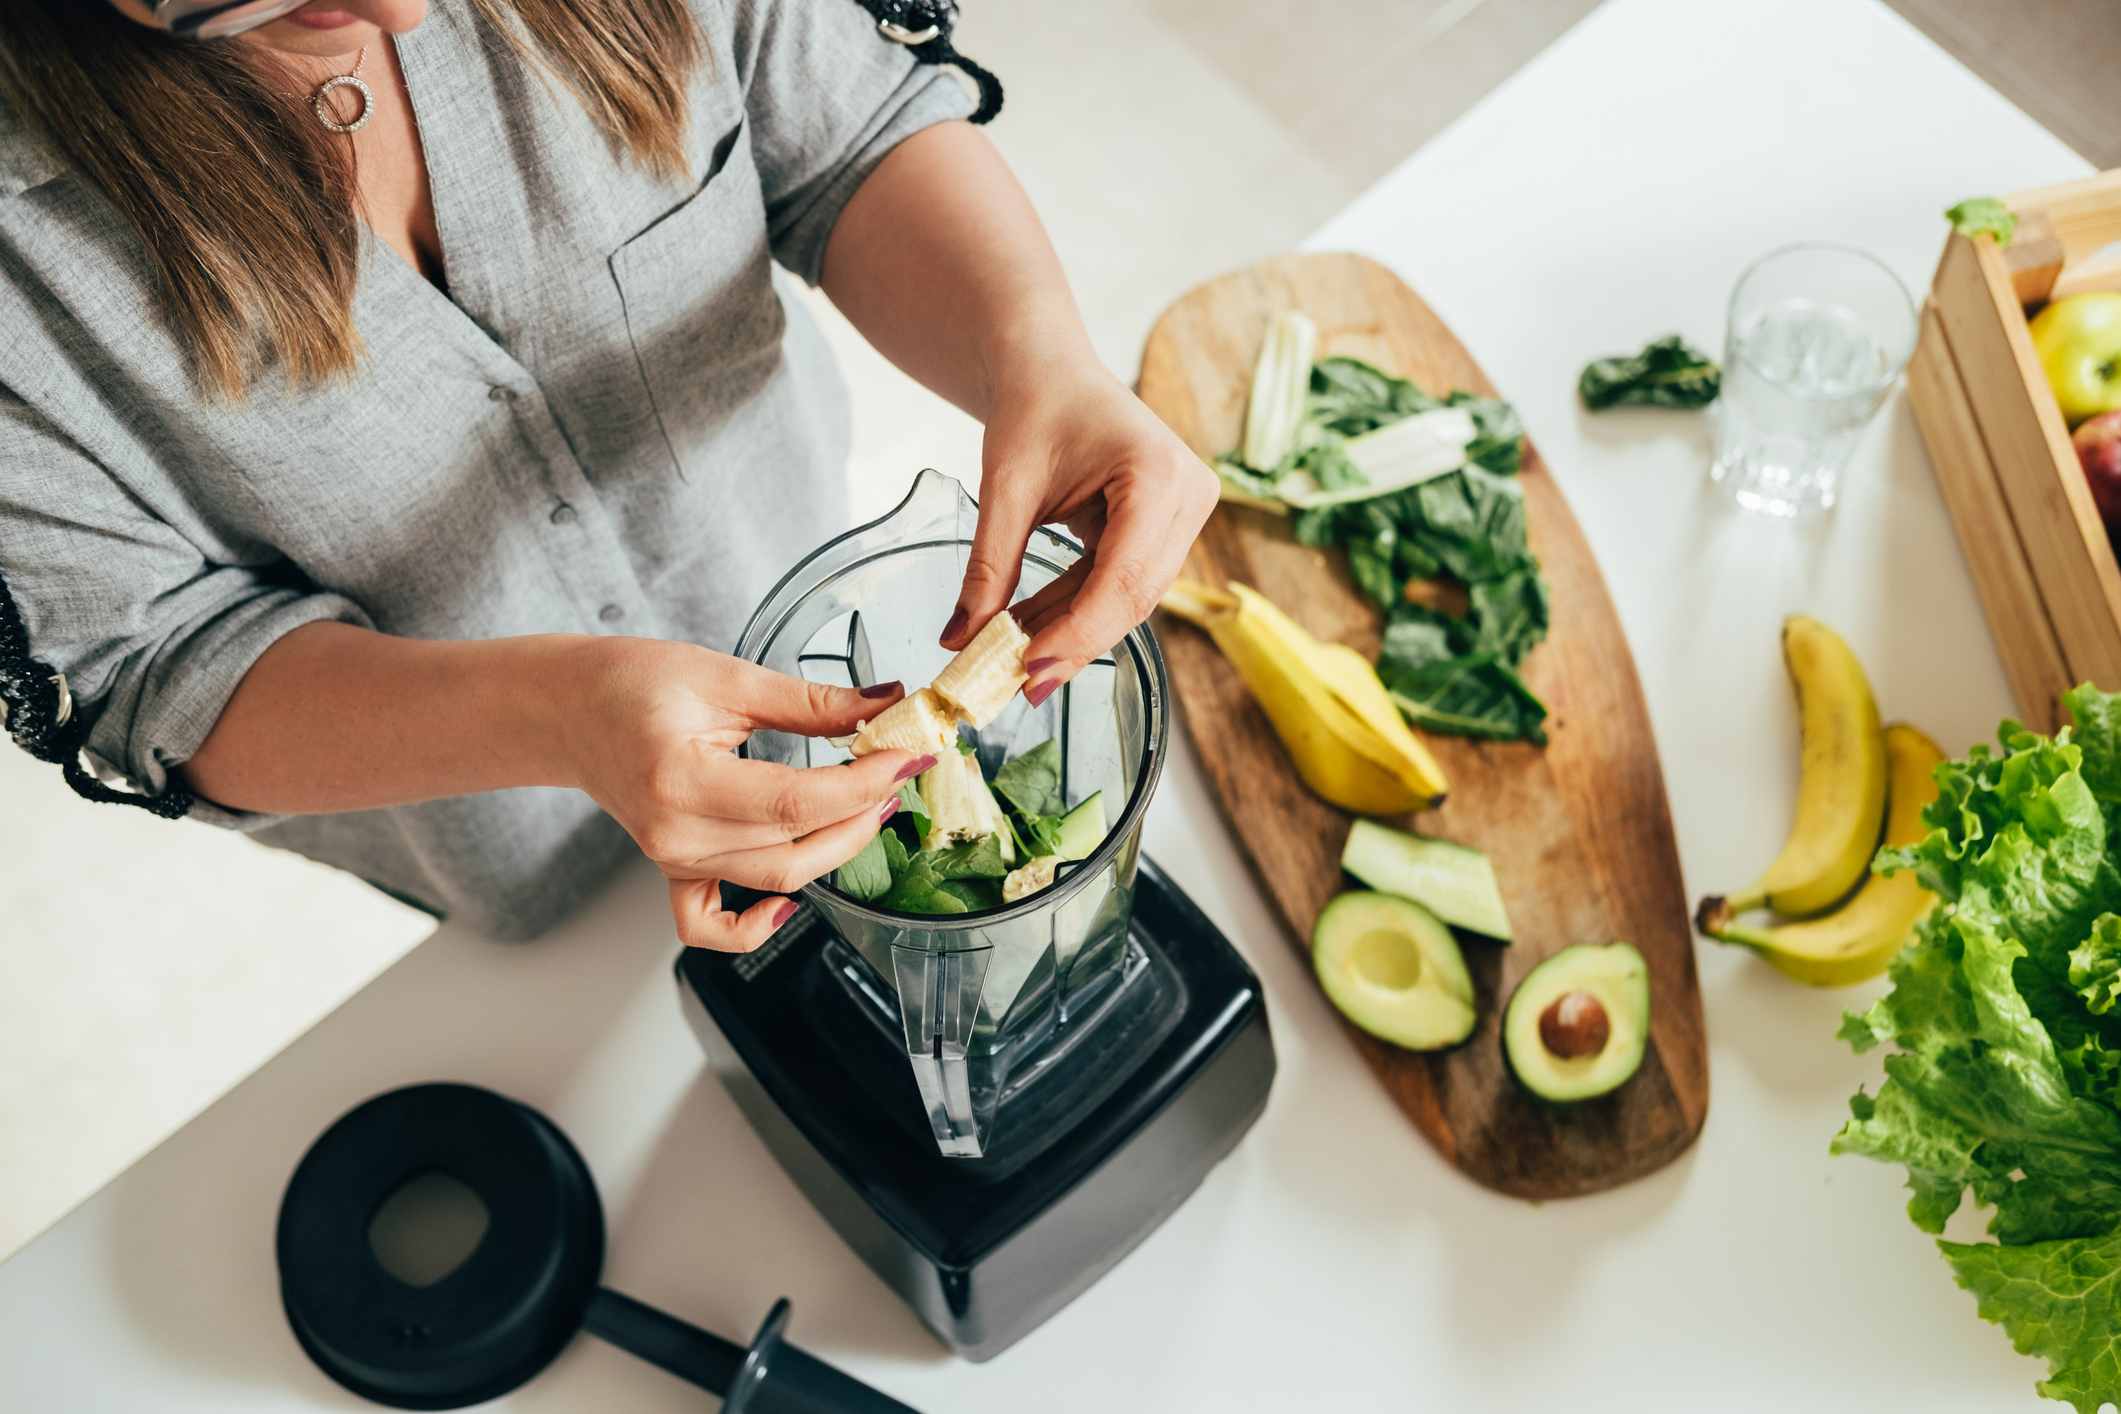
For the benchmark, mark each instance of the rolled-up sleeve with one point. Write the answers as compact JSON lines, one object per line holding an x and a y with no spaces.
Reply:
{"x":827,"y":98}
{"x":150,"y":635}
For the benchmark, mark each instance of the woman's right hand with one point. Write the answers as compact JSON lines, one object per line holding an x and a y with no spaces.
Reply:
{"x":653,"y":740}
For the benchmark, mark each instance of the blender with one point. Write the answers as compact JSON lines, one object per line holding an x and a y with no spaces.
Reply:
{"x":992,"y":1107}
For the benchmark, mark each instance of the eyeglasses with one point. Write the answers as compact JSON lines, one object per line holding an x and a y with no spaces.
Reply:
{"x":218,"y":19}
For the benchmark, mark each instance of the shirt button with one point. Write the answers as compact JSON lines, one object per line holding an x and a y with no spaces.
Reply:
{"x":563,"y":514}
{"x":611,"y":613}
{"x":501,"y":395}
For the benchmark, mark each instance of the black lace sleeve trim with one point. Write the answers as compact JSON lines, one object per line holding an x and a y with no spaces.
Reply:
{"x":911,"y":17}
{"x":30,"y":692}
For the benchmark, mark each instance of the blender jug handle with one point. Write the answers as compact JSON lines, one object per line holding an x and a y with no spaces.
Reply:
{"x":939,"y":995}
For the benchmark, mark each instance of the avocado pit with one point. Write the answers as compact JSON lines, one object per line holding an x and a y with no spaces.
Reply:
{"x":1575,"y":1025}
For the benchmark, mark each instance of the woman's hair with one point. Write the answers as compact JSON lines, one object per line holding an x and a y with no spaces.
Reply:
{"x":245,"y":202}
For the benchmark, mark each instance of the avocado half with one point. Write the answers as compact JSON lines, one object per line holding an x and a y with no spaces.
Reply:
{"x":1394,"y":970}
{"x":1576,"y":1026}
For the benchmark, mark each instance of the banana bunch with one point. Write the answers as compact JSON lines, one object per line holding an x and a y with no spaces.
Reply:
{"x":1851,"y":771}
{"x":973,"y":687}
{"x":1347,"y":740}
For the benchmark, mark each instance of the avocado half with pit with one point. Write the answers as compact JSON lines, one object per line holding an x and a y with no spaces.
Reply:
{"x":1576,"y":1026}
{"x":1394,"y":970}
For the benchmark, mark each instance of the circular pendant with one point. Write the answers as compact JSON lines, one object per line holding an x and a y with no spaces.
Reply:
{"x":322,"y":100}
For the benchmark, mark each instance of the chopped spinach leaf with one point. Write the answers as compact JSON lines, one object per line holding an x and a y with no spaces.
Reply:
{"x":973,"y":859}
{"x":868,"y":875}
{"x":1036,"y":834}
{"x":1665,"y":374}
{"x":914,"y":809}
{"x":1032,"y":780}
{"x":919,"y":890}
{"x":974,"y":894}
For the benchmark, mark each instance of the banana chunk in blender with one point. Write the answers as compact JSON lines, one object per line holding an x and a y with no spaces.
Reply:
{"x":973,"y":688}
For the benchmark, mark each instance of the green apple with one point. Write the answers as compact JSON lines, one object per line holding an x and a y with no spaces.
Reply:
{"x":2079,"y":342}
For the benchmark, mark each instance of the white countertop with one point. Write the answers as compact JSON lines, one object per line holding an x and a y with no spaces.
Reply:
{"x":1608,"y":193}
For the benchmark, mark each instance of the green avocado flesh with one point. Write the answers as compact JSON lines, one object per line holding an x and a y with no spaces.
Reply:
{"x":1455,"y":883}
{"x":1394,"y":970}
{"x":1614,"y":976}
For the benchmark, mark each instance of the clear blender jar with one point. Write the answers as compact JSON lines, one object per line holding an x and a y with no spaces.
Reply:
{"x":988,"y":1002}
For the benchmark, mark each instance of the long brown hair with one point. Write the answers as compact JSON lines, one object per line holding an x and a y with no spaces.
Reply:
{"x":245,"y":203}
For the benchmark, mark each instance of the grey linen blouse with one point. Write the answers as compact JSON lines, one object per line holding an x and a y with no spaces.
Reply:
{"x":614,"y":422}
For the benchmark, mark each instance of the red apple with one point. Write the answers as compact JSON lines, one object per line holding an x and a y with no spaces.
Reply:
{"x":2098,"y":442}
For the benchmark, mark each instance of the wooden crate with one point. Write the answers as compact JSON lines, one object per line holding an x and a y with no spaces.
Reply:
{"x":2010,"y":477}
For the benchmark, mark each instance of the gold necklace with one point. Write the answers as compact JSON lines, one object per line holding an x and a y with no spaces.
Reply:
{"x":320,"y":100}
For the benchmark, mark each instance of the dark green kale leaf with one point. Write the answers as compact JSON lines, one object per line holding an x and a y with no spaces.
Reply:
{"x":1498,"y":441}
{"x":1511,"y":615}
{"x":1350,"y":397}
{"x":1475,"y":696}
{"x":1665,"y":374}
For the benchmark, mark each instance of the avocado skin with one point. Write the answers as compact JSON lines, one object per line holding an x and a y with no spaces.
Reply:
{"x":1613,"y":972}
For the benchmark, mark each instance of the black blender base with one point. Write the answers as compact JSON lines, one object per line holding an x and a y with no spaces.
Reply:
{"x":985,"y":1250}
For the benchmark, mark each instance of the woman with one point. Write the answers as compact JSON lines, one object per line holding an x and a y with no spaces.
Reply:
{"x":384,"y":465}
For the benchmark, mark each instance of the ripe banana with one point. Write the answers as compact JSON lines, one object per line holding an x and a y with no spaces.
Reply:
{"x":1343,"y":734}
{"x":1857,"y":940}
{"x":973,"y":687}
{"x":1841,"y":792}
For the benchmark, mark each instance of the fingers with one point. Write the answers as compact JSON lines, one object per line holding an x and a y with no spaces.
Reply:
{"x":784,"y":868}
{"x":997,"y":560}
{"x":1037,"y":610}
{"x":726,"y":804}
{"x":1141,"y":551}
{"x":764,"y":698}
{"x":702,"y":922}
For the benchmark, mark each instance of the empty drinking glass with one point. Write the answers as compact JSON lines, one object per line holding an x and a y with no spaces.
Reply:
{"x":1817,"y":334}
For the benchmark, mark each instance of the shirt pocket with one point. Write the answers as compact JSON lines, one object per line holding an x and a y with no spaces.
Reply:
{"x":701,"y":310}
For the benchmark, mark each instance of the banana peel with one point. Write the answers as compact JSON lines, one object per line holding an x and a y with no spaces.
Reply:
{"x":1857,"y":940}
{"x":1344,"y":736}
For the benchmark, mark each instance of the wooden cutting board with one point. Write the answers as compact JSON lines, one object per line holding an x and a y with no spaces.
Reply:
{"x":1579,"y":831}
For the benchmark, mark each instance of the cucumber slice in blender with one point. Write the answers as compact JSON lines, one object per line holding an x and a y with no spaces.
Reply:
{"x":1083,"y":828}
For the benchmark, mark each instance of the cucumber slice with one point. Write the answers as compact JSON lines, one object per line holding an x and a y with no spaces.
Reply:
{"x":1454,"y":882}
{"x":1083,"y":828}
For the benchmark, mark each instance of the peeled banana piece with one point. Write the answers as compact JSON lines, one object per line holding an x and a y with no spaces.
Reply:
{"x":973,"y":687}
{"x":1841,"y":788}
{"x":1857,"y":940}
{"x":987,"y":672}
{"x":1344,"y":736}
{"x":920,"y":722}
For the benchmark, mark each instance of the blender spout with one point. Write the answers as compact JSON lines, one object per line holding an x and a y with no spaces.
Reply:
{"x":939,"y":997}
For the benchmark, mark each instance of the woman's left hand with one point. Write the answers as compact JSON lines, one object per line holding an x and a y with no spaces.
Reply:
{"x":1067,"y":443}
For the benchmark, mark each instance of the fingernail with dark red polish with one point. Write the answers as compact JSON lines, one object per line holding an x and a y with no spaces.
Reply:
{"x":1038,"y":665}
{"x":785,"y":912}
{"x":956,"y":625}
{"x":911,"y":769}
{"x":1037,"y":694}
{"x":888,"y":809}
{"x":882,"y":689}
